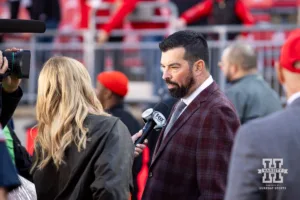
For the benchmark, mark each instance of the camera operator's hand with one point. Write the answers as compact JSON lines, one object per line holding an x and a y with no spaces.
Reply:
{"x":10,"y":83}
{"x":3,"y":64}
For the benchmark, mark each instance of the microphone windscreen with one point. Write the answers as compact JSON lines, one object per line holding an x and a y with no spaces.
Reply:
{"x":21,"y":26}
{"x":165,"y":106}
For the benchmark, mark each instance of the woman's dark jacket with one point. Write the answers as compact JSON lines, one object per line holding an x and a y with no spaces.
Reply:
{"x":102,"y":171}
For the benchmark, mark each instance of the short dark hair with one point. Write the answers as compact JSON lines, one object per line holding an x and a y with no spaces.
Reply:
{"x":193,"y":42}
{"x":243,"y":55}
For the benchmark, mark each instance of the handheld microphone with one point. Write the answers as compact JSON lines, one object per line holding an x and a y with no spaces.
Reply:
{"x":21,"y":26}
{"x":154,"y":119}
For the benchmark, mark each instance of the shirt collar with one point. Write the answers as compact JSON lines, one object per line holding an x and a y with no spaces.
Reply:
{"x":204,"y":85}
{"x":293,"y":98}
{"x":117,"y":106}
{"x":243,"y":78}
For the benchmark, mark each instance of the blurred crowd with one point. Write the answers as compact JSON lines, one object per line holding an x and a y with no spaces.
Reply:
{"x":136,"y":19}
{"x":71,"y":15}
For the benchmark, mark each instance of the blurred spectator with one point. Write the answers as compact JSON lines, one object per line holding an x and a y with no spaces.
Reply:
{"x":47,"y":11}
{"x":117,"y":11}
{"x":112,"y":88}
{"x":15,"y":7}
{"x":144,"y":16}
{"x":220,"y":12}
{"x":271,"y":143}
{"x":143,"y":20}
{"x":102,"y":11}
{"x":250,"y":94}
{"x":183,"y":5}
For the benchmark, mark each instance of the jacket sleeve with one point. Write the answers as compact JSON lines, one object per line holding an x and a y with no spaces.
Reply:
{"x":9,"y":102}
{"x":244,"y":14}
{"x":113,"y":169}
{"x":118,"y":18}
{"x":213,"y":152}
{"x":8,"y":174}
{"x":244,"y":180}
{"x":196,"y":12}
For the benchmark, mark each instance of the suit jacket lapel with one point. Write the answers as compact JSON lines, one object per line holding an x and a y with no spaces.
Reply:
{"x":196,"y":103}
{"x":162,"y":132}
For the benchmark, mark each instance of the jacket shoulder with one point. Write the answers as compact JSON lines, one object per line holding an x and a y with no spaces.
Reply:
{"x":101,"y":125}
{"x":216,"y":105}
{"x":220,"y":101}
{"x":275,"y":124}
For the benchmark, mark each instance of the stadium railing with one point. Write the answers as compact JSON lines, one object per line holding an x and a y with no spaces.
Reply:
{"x":132,"y":54}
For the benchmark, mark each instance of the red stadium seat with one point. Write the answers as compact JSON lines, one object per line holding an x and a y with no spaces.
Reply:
{"x":262,"y":17}
{"x":31,"y":135}
{"x":285,"y":3}
{"x":258,"y":4}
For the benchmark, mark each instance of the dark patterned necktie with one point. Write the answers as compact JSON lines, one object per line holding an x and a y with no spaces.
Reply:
{"x":179,"y":108}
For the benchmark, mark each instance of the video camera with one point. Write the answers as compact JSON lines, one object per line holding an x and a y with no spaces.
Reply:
{"x":18,"y":63}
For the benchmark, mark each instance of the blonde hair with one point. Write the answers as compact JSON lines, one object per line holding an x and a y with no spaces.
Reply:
{"x":65,"y":98}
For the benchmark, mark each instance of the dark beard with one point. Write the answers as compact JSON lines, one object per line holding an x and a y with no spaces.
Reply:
{"x":180,"y":92}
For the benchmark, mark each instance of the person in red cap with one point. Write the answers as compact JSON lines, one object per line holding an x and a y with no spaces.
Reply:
{"x":271,"y":143}
{"x":112,"y":82}
{"x":112,"y":87}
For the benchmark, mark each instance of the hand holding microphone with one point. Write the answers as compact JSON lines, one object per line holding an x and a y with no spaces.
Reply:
{"x":139,"y":148}
{"x":154,"y":120}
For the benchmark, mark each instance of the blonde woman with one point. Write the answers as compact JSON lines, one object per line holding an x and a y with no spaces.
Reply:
{"x":81,"y":153}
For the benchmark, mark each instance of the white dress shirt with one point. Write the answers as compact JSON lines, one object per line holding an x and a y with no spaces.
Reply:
{"x":188,"y":100}
{"x":293,"y":98}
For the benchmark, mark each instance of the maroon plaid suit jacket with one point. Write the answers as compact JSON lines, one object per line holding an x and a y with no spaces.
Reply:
{"x":192,"y":161}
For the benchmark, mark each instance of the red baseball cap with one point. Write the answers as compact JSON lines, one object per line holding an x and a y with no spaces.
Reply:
{"x":290,"y":52}
{"x":115,"y":81}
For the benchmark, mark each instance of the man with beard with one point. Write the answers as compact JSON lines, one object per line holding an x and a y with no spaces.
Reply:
{"x":271,"y":143}
{"x":192,"y":153}
{"x":250,"y":94}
